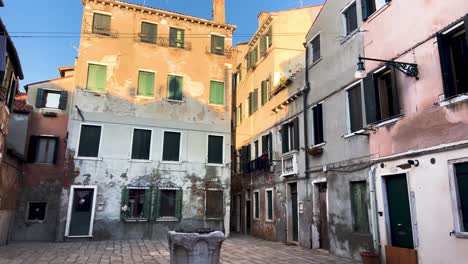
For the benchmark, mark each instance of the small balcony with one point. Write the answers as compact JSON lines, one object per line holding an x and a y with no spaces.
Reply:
{"x":163,"y":42}
{"x":260,"y":163}
{"x":289,"y":165}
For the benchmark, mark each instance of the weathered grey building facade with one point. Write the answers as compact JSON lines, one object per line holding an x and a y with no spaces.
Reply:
{"x":149,"y":133}
{"x":338,"y":143}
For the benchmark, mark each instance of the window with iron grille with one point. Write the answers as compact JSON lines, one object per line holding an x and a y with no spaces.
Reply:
{"x":135,"y":203}
{"x":256,"y":205}
{"x":36,"y":211}
{"x":176,"y":38}
{"x":214,"y":204}
{"x":359,"y":205}
{"x":217,"y":45}
{"x":453,"y":53}
{"x":148,"y":32}
{"x":90,"y":138}
{"x":43,"y":149}
{"x":350,"y":18}
{"x":269,"y":204}
{"x":102,"y":24}
{"x":141,"y":144}
{"x":215,"y":149}
{"x":171,"y":146}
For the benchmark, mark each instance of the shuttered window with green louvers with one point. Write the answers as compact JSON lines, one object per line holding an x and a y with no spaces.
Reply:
{"x":146,"y":84}
{"x":96,"y":78}
{"x":174,"y":84}
{"x":167,"y":203}
{"x":148,"y":32}
{"x":176,"y":37}
{"x":263,"y":45}
{"x":216,"y":93}
{"x":217,"y":45}
{"x":135,"y":204}
{"x":265,"y":91}
{"x":101,"y":24}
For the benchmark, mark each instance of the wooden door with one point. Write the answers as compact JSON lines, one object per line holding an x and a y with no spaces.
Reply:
{"x":323,"y":236}
{"x":294,"y":217}
{"x":81,"y":212}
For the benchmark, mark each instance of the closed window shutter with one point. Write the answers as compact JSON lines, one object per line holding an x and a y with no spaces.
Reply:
{"x":124,"y":202}
{"x":171,"y":146}
{"x":263,"y":45}
{"x":296,"y":134}
{"x":217,"y":44}
{"x":316,"y":48}
{"x":270,"y":146}
{"x":264,"y":144}
{"x":446,"y":65}
{"x":178,"y":204}
{"x":255,"y":100}
{"x":40,"y":98}
{"x":365,"y":9}
{"x":56,"y":149}
{"x":370,"y":99}
{"x":175,"y":87}
{"x":96,"y":77}
{"x":250,"y":104}
{"x":90,"y":138}
{"x":101,"y":24}
{"x":318,"y":124}
{"x":216,"y":93}
{"x":270,"y":37}
{"x":156,"y":203}
{"x":32,"y":148}
{"x":285,"y":138}
{"x":172,"y":37}
{"x":141,"y":144}
{"x":146,"y":84}
{"x":395,"y":97}
{"x":63,"y":100}
{"x":355,"y":108}
{"x":148,"y":32}
{"x":215,"y":149}
{"x":147,"y":204}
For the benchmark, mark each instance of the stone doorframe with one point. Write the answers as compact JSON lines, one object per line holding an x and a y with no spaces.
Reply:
{"x":70,"y":205}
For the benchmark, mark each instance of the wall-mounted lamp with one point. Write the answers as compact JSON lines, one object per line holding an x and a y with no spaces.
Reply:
{"x":409,"y":69}
{"x":413,"y":163}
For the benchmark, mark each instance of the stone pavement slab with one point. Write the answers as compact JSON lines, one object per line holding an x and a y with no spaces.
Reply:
{"x":235,"y":250}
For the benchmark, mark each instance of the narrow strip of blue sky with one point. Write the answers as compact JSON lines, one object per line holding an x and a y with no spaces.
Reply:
{"x":40,"y":57}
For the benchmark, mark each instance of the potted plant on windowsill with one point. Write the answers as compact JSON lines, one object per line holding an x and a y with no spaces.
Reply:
{"x":369,"y":256}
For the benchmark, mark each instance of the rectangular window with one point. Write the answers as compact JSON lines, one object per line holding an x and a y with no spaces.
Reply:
{"x":255,"y":100}
{"x":265,"y":42}
{"x":102,"y":24}
{"x":256,"y":205}
{"x":461,"y":175}
{"x":314,"y":50}
{"x":354,"y":101}
{"x":267,"y":145}
{"x":239,"y":114}
{"x":381,"y":96}
{"x":141,"y":144}
{"x":265,"y":91}
{"x":148,"y":32}
{"x":174,"y":84}
{"x":176,"y":37}
{"x":171,"y":146}
{"x":269,"y":204}
{"x":253,"y":57}
{"x":36,"y":211}
{"x":43,"y":149}
{"x":215,"y":149}
{"x":90,"y":138}
{"x":453,"y":53}
{"x":136,"y":204}
{"x":52,"y":99}
{"x":256,"y":150}
{"x":290,"y":136}
{"x":250,"y":101}
{"x":167,"y":204}
{"x":96,"y":78}
{"x":146,"y":83}
{"x":216,"y":93}
{"x":359,"y":206}
{"x":217,"y":45}
{"x":316,"y":114}
{"x":370,"y":6}
{"x":214,"y":204}
{"x":350,"y":18}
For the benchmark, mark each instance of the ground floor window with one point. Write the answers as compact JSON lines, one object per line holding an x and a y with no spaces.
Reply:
{"x":214,"y":204}
{"x":269,"y":204}
{"x":460,"y":188}
{"x":136,"y":203}
{"x":36,"y":211}
{"x":256,"y":205}
{"x":168,"y":203}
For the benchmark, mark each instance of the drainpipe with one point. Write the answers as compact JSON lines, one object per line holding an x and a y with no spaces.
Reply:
{"x":374,"y":210}
{"x":306,"y":138}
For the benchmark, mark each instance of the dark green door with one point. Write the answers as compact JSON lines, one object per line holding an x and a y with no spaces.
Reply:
{"x":399,"y":211}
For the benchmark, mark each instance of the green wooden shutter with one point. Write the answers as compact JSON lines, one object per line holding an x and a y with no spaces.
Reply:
{"x":146,"y":84}
{"x":123,"y":202}
{"x":263,"y":45}
{"x":370,"y":99}
{"x":172,"y":37}
{"x":180,"y":38}
{"x":270,"y":37}
{"x":264,"y":92}
{"x":255,"y":100}
{"x":285,"y":138}
{"x":216,"y":93}
{"x":178,"y":204}
{"x":96,"y":78}
{"x":40,"y":98}
{"x":147,"y":204}
{"x":175,"y":87}
{"x":63,"y":100}
{"x":156,"y":202}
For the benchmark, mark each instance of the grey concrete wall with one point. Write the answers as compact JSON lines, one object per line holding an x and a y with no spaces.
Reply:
{"x":17,"y":134}
{"x":346,"y":158}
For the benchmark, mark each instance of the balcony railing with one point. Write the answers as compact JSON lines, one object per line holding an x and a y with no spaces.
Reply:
{"x":228,"y":51}
{"x":104,"y":32}
{"x":163,"y":42}
{"x":289,"y":165}
{"x":260,"y":163}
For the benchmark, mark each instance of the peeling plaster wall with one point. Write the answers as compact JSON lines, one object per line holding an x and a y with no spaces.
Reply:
{"x":119,"y":111}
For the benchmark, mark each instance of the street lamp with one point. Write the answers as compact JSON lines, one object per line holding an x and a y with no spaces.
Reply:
{"x":410,"y":69}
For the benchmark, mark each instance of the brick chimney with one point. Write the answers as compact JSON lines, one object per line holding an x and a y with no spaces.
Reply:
{"x":218,"y":11}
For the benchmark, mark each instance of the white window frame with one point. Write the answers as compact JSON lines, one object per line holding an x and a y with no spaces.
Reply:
{"x":272,"y":205}
{"x":349,"y":133}
{"x":70,"y":205}
{"x":180,"y":146}
{"x":311,"y":120}
{"x":224,"y":93}
{"x":454,"y":194}
{"x":151,"y":145}
{"x":138,"y":83}
{"x":27,"y":212}
{"x":255,"y":205}
{"x":343,"y":19}
{"x":224,"y":150}
{"x":100,"y":142}
{"x":87,"y":76}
